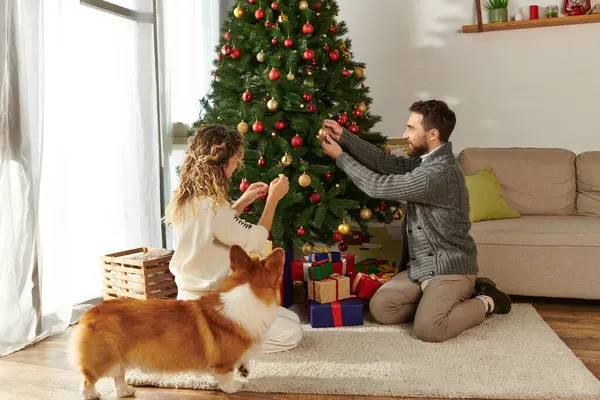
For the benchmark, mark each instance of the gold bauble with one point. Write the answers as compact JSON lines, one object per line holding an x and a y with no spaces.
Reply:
{"x":282,"y":18}
{"x":303,"y":5}
{"x":273,"y":134}
{"x":323,"y":133}
{"x":243,"y":127}
{"x":359,"y":72}
{"x":238,"y":12}
{"x":344,"y":228}
{"x":304,"y":180}
{"x":342,"y":46}
{"x":365,"y":213}
{"x":272,"y":104}
{"x":290,"y":76}
{"x":260,"y":57}
{"x":286,"y":160}
{"x":307,"y":248}
{"x":398,"y":214}
{"x":362,"y":107}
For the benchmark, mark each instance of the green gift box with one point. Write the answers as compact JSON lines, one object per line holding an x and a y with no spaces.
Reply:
{"x":368,"y":266}
{"x":320,"y":272}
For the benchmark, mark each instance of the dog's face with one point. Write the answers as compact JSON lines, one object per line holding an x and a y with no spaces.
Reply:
{"x":260,"y":274}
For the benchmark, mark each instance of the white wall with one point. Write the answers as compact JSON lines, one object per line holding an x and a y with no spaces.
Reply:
{"x":535,"y":87}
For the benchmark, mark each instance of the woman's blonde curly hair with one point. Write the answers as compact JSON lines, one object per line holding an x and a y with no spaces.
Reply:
{"x":202,"y":173}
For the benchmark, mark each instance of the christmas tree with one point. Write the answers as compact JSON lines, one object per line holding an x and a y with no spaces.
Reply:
{"x":282,"y":68}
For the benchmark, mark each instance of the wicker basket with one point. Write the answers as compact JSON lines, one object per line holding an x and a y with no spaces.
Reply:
{"x":141,"y":273}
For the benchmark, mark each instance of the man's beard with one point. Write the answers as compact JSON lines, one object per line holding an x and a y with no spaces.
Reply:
{"x":416,"y":151}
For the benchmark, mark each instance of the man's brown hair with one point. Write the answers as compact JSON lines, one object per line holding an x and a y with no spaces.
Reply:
{"x":436,"y":115}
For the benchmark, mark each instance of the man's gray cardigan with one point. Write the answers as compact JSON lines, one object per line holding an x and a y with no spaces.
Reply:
{"x":437,"y":220}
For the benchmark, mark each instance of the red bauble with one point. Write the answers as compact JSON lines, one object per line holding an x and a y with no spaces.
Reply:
{"x":280,"y":125}
{"x":382,"y":206}
{"x":334,"y":55}
{"x":357,"y":112}
{"x":275,"y":6}
{"x":309,"y":70}
{"x":328,"y":175}
{"x":312,"y":108}
{"x":326,"y":48}
{"x":258,"y":127}
{"x":315,"y":198}
{"x":259,"y":14}
{"x":226,"y":50}
{"x":307,"y":29}
{"x":317,"y":5}
{"x":247,"y":96}
{"x":251,"y":1}
{"x":337,"y":237}
{"x":244,"y":185}
{"x":227,"y":36}
{"x":346,"y":73}
{"x":267,"y":24}
{"x":353,"y":128}
{"x":248,"y":209}
{"x":262,"y":162}
{"x":236,"y":53}
{"x":343,"y":119}
{"x":301,"y":231}
{"x":274,"y":74}
{"x":309,"y":54}
{"x":288,"y":42}
{"x":274,"y":41}
{"x":333,"y":28}
{"x":296,"y":141}
{"x":342,"y":246}
{"x":307,"y":97}
{"x":269,"y":237}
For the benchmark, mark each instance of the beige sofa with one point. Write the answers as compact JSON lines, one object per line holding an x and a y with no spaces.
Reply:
{"x":553,"y":249}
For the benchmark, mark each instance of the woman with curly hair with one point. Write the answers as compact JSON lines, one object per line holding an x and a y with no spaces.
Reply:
{"x":205,"y":224}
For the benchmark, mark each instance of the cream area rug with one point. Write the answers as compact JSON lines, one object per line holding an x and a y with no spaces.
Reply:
{"x":514,"y":356}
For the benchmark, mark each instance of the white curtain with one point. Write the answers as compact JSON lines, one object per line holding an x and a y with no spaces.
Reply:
{"x":79,"y":157}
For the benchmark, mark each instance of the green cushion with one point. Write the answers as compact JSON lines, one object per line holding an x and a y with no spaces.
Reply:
{"x":485,"y":197}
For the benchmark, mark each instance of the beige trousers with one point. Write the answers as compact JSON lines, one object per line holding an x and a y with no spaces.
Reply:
{"x":442,"y":310}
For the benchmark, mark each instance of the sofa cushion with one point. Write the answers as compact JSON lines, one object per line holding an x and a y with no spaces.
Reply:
{"x":534,"y":181}
{"x":485,"y":197}
{"x":539,"y":231}
{"x":588,"y":183}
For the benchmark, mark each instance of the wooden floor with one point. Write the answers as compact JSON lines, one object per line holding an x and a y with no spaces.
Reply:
{"x":42,"y":371}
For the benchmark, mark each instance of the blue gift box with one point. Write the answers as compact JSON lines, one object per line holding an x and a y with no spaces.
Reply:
{"x":347,"y":312}
{"x":333,"y":256}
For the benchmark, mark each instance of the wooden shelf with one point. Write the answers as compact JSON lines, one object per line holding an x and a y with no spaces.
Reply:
{"x":533,"y":23}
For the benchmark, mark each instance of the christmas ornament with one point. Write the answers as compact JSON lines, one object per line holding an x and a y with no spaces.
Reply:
{"x":243,"y":128}
{"x":247,"y":96}
{"x":286,"y":160}
{"x":312,"y":108}
{"x":323,"y":133}
{"x":290,"y":76}
{"x":260,"y":57}
{"x":359,"y":72}
{"x":366,"y":213}
{"x":328,"y":175}
{"x":262,"y":162}
{"x":334,"y":55}
{"x":344,"y":228}
{"x":244,"y":185}
{"x":346,"y":73}
{"x":307,"y":97}
{"x":333,"y":28}
{"x":236,"y":53}
{"x":267,"y":24}
{"x":353,"y":128}
{"x":296,"y":141}
{"x":326,"y":48}
{"x":309,"y":54}
{"x":342,"y":45}
{"x":258,"y":127}
{"x":219,"y":57}
{"x":304,"y":180}
{"x":317,"y":5}
{"x":307,"y":248}
{"x":303,"y":5}
{"x":274,"y":74}
{"x":272,"y":104}
{"x":301,"y":231}
{"x":259,"y":14}
{"x":337,"y":237}
{"x":362,"y":107}
{"x":315,"y":197}
{"x":274,"y":41}
{"x":273,"y":134}
{"x":280,"y":125}
{"x":248,"y":208}
{"x":382,"y":206}
{"x":227,"y":35}
{"x":238,"y":12}
{"x":288,"y":42}
{"x":342,"y":246}
{"x":398,"y":214}
{"x":226,"y":50}
{"x":275,"y":6}
{"x":307,"y":29}
{"x":343,"y":119}
{"x":357,"y":112}
{"x":251,"y":1}
{"x":282,"y":18}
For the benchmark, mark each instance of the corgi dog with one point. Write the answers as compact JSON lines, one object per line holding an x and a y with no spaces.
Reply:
{"x":217,"y":333}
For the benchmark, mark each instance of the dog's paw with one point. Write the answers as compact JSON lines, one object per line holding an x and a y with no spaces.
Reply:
{"x":125,"y":391}
{"x":90,"y":393}
{"x":243,"y":370}
{"x":231,"y":387}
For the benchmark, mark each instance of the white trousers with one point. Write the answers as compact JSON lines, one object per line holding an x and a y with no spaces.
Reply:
{"x":285,"y":333}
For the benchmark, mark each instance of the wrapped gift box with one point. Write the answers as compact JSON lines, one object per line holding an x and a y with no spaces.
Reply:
{"x":365,"y":286}
{"x":375,"y":266}
{"x":334,"y":288}
{"x":347,"y":312}
{"x":300,"y":269}
{"x":324,"y":255}
{"x":320,"y":271}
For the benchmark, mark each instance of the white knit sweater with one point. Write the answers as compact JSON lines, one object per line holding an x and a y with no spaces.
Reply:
{"x":202,"y":241}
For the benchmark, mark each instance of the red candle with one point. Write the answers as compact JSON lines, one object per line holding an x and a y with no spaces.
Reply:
{"x":533,"y":12}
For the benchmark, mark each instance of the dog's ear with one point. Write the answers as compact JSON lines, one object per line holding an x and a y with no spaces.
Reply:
{"x":276,"y":259}
{"x":238,"y":258}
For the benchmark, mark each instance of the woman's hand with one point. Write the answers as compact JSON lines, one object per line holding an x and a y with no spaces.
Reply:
{"x":335,"y":130}
{"x":254,"y":191}
{"x":279,"y":188}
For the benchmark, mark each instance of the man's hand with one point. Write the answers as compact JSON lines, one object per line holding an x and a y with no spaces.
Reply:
{"x":254,"y":191}
{"x":331,"y":148}
{"x":335,"y":130}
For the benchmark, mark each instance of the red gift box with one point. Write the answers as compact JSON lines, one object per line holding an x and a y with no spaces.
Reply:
{"x":365,"y":286}
{"x":300,"y":268}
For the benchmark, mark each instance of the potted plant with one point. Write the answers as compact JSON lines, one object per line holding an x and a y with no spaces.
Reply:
{"x":498,"y":10}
